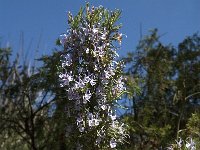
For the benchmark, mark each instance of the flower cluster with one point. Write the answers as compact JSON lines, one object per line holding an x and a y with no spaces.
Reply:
{"x":92,"y":79}
{"x":188,"y":144}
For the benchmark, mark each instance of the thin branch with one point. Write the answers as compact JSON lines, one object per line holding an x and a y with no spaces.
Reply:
{"x":191,"y":95}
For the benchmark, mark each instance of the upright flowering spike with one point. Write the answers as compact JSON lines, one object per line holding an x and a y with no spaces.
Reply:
{"x":92,"y":78}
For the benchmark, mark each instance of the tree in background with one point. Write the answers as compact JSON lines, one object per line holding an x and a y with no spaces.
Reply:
{"x":169,"y":83}
{"x":187,"y":96}
{"x":188,"y":79}
{"x":24,"y":105}
{"x":151,"y":65}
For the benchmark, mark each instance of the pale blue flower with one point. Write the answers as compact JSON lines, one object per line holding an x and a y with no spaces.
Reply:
{"x":63,"y":38}
{"x":190,"y":144}
{"x":65,"y":78}
{"x":103,"y":107}
{"x":179,"y":142}
{"x":67,"y":60}
{"x":87,"y":96}
{"x":87,"y":51}
{"x":79,"y":84}
{"x":113,"y":143}
{"x":170,"y":148}
{"x":95,"y":30}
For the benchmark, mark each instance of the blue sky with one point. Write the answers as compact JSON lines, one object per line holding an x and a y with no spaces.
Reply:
{"x":42,"y":21}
